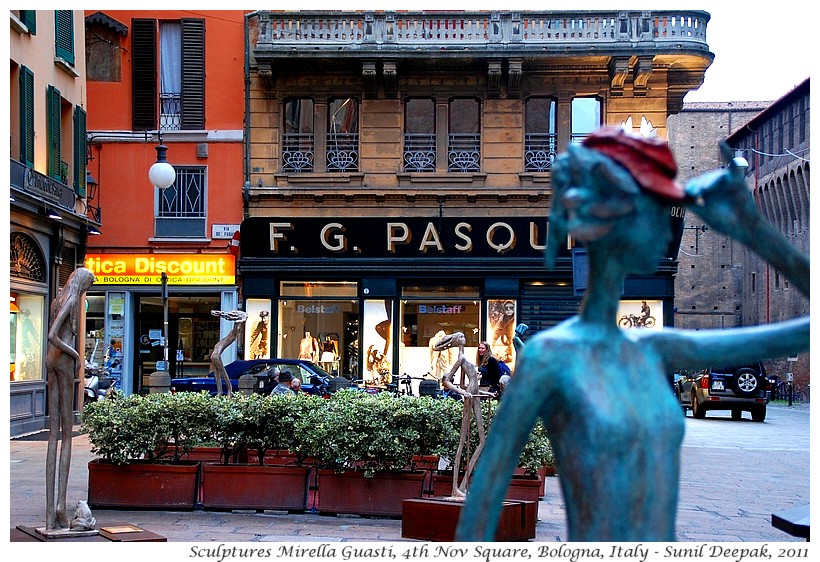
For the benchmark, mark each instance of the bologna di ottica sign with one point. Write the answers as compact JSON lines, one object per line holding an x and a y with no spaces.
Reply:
{"x":147,"y":269}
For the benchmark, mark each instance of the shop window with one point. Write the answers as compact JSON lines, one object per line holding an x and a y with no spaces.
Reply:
{"x":297,"y":141}
{"x":192,"y":334}
{"x":343,"y":135}
{"x":501,"y":319}
{"x":420,"y":135}
{"x":257,"y":329}
{"x":425,"y":316}
{"x":647,"y":314}
{"x":377,"y":342}
{"x":464,"y":139}
{"x":27,"y":337}
{"x":539,"y":136}
{"x":585,"y":117}
{"x":319,"y":322}
{"x":181,"y":207}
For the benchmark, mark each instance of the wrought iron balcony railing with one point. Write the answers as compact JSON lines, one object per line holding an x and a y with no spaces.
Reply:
{"x":419,"y":152}
{"x":539,"y":151}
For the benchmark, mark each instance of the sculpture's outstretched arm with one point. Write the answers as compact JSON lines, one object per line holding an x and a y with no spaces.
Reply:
{"x":511,"y":429}
{"x":723,"y":201}
{"x":691,"y":349}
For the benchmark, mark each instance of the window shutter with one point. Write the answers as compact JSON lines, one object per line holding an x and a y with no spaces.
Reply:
{"x":80,"y":151}
{"x":27,"y":117}
{"x":64,"y":34}
{"x":53,"y":121}
{"x":144,"y":74}
{"x":29,"y":19}
{"x":193,"y":74}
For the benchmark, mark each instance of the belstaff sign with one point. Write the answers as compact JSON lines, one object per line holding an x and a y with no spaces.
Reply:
{"x":380,"y":237}
{"x":147,"y":269}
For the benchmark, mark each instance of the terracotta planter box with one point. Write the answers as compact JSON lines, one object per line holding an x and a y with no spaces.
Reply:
{"x":435,"y":519}
{"x":525,"y":488}
{"x":251,"y":486}
{"x":143,"y":485}
{"x":351,"y":492}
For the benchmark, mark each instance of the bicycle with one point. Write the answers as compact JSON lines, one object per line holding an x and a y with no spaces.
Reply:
{"x":635,"y":321}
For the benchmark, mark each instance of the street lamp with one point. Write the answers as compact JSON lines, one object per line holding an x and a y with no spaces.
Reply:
{"x":162,"y":175}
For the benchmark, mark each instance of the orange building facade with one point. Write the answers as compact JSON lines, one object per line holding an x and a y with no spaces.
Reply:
{"x":171,"y":78}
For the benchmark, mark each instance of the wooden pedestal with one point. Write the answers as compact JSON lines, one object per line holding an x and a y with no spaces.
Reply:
{"x":435,"y":519}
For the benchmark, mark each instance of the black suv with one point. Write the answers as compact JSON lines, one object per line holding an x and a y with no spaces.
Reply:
{"x":739,"y":388}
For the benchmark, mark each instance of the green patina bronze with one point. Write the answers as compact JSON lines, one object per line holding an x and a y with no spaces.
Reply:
{"x":602,"y":392}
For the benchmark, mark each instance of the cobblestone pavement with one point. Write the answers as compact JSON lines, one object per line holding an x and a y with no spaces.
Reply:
{"x":728,"y":491}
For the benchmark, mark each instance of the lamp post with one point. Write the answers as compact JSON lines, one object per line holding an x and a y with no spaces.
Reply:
{"x":162,"y":176}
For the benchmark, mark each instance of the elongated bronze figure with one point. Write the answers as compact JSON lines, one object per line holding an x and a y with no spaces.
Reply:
{"x":63,"y":367}
{"x":602,"y":392}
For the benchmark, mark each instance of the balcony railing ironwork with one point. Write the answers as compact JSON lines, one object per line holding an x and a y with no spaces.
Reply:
{"x":343,"y":152}
{"x":539,"y":151}
{"x":464,"y":153}
{"x":170,"y":117}
{"x":419,"y":152}
{"x":297,"y":152}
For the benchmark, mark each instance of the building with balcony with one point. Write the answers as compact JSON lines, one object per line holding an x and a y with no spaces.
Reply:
{"x":49,"y":223}
{"x":398,"y":171}
{"x":169,"y":78}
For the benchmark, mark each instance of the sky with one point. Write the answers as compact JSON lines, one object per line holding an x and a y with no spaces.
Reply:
{"x":760,"y":53}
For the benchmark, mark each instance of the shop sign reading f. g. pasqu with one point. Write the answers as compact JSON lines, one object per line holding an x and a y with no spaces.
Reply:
{"x":392,"y":237}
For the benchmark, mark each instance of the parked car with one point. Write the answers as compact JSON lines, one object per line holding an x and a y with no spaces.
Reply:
{"x":314,"y":378}
{"x":737,"y":388}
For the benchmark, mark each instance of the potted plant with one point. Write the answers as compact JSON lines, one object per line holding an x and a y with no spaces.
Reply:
{"x":260,"y":423}
{"x":364,"y":446}
{"x":140,"y":440}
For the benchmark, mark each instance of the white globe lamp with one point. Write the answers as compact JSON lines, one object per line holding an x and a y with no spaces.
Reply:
{"x":162,"y":175}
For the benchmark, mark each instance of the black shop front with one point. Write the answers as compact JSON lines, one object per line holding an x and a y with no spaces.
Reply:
{"x":367,"y":297}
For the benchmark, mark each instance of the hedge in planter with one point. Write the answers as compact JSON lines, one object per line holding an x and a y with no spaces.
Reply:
{"x":140,"y":440}
{"x":260,"y":423}
{"x":365,"y":446}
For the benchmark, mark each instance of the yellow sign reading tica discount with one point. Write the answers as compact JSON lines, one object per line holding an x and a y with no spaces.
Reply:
{"x":147,"y":269}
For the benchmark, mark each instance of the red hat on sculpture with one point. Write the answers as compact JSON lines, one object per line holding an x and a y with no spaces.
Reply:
{"x":648,"y":160}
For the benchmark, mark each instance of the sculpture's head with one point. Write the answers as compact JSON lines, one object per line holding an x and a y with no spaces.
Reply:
{"x":614,"y":192}
{"x":456,"y":339}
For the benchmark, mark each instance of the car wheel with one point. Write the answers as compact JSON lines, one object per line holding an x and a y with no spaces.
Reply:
{"x":737,"y":414}
{"x":759,"y":412}
{"x":746,"y":383}
{"x":697,"y":410}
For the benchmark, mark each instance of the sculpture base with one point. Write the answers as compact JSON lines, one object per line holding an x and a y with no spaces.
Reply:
{"x":435,"y":519}
{"x":65,"y":533}
{"x":114,"y":533}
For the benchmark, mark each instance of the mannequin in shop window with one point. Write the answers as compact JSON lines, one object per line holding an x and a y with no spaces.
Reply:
{"x":309,"y":348}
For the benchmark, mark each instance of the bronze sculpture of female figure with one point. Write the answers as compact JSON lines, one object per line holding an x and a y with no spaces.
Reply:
{"x":617,"y":449}
{"x":63,"y":368}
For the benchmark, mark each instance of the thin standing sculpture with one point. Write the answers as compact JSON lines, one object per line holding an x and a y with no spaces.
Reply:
{"x":603,"y":393}
{"x":63,"y":368}
{"x":471,"y":397}
{"x":238,"y":317}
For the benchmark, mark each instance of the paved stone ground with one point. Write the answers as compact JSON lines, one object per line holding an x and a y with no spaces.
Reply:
{"x":727,"y":493}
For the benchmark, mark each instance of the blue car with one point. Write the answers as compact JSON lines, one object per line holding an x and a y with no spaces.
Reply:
{"x":314,"y":378}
